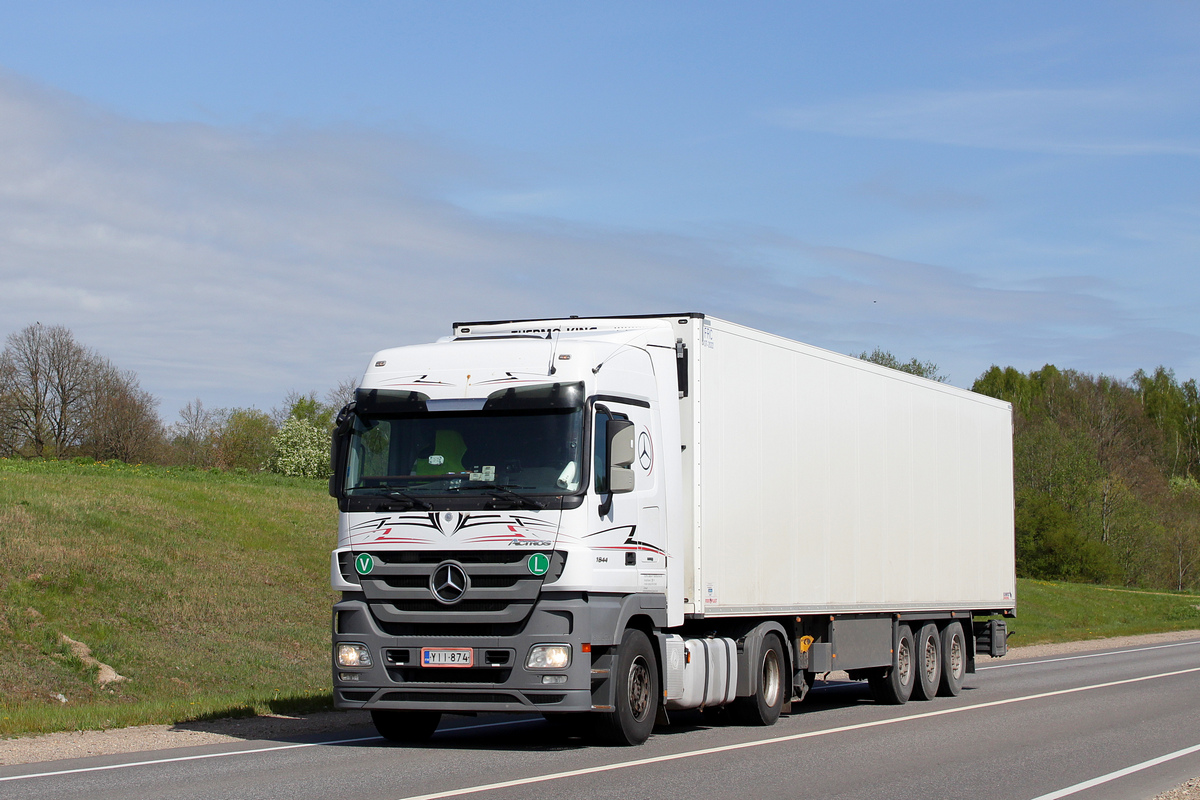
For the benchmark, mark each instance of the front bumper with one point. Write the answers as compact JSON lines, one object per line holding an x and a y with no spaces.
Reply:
{"x":498,"y":681}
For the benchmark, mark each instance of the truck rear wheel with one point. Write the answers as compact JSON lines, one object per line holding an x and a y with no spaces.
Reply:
{"x":894,"y":686}
{"x":954,"y":660}
{"x":636,"y":692}
{"x":927,"y":647}
{"x":405,"y":726}
{"x":763,"y":707}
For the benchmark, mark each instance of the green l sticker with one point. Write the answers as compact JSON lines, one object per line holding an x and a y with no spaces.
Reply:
{"x":364,"y":563}
{"x":539,"y":563}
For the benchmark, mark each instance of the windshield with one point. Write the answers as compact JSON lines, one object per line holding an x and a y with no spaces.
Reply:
{"x":421,"y":453}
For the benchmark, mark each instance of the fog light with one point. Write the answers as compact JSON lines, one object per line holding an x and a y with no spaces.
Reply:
{"x":554,"y":679}
{"x":549,"y":656}
{"x":352,"y":654}
{"x":350,"y":676}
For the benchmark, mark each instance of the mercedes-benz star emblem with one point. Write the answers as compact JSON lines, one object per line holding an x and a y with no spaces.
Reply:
{"x":645,"y":451}
{"x":449,"y":582}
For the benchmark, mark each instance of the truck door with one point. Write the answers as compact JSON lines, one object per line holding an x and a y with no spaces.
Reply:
{"x":628,"y":531}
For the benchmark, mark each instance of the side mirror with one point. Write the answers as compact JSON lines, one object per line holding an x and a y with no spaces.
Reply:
{"x":620,"y":456}
{"x":338,"y":450}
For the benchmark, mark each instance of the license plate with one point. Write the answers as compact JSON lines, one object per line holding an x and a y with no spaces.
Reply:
{"x":447,"y":657}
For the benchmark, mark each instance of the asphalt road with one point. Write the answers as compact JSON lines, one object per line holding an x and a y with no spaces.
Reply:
{"x":1119,"y":724}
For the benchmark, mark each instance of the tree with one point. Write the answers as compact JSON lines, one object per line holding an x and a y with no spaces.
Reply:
{"x":343,"y":393}
{"x":123,"y":422}
{"x":244,"y":439}
{"x":1174,"y":408}
{"x":194,"y":436}
{"x":922,"y":369}
{"x":1182,"y":540}
{"x":10,"y":439}
{"x":1050,"y":545}
{"x":306,"y":407}
{"x":50,"y":385}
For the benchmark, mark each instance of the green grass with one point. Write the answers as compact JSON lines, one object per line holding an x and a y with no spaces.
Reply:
{"x":210,"y":592}
{"x":1065,"y":612}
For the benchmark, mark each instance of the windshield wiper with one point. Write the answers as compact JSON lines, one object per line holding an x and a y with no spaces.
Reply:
{"x":503,"y":492}
{"x":413,"y":502}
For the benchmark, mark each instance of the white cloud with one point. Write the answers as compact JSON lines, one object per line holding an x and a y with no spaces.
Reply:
{"x":1105,"y":122}
{"x":235,"y":265}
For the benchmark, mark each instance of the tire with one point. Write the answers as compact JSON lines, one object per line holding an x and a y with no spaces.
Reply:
{"x":405,"y":726}
{"x":636,"y":693}
{"x":764,"y":706}
{"x":954,"y":660}
{"x":894,"y":685}
{"x":927,"y":649}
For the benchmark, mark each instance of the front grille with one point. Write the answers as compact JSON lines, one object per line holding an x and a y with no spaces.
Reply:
{"x":501,"y":590}
{"x":449,"y":697}
{"x":476,"y":606}
{"x":495,"y":581}
{"x":444,"y":629}
{"x":448,"y":675}
{"x":405,"y":581}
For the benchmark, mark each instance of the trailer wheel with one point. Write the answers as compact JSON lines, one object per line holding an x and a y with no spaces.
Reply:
{"x":763,"y":707}
{"x":636,"y":692}
{"x":954,"y":660}
{"x":928,"y":651}
{"x":894,"y":686}
{"x":405,"y":726}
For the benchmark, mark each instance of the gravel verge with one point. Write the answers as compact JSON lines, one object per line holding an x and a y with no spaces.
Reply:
{"x":80,"y":744}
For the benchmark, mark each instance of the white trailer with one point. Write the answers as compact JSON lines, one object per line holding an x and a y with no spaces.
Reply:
{"x":605,"y":519}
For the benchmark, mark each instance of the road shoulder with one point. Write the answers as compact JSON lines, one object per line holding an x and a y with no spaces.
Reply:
{"x":83,"y":744}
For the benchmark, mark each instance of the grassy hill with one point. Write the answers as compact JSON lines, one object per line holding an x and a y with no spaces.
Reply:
{"x":210,"y":593}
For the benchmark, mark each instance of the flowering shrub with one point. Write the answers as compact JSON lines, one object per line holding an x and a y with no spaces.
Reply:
{"x":301,"y":450}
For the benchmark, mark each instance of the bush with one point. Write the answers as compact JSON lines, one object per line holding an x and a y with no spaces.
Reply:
{"x":301,"y":450}
{"x":1050,"y":545}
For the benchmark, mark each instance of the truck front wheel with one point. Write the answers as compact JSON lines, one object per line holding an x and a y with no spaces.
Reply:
{"x":405,"y":726}
{"x":763,"y":707}
{"x":636,"y":692}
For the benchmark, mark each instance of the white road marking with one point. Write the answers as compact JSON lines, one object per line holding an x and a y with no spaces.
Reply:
{"x":1088,"y":655}
{"x":554,"y":776}
{"x":622,"y":765}
{"x":152,"y":762}
{"x":1121,"y":773}
{"x":126,"y":765}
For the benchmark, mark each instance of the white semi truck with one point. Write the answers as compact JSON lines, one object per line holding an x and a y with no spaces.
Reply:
{"x":603,"y":520}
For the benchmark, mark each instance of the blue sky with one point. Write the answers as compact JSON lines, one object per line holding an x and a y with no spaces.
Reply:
{"x":240,"y":199}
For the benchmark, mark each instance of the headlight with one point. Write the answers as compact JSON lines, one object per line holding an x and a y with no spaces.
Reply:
{"x":549,"y":656}
{"x":352,"y":654}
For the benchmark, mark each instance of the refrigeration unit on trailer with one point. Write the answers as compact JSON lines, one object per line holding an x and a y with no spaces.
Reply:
{"x":603,"y":520}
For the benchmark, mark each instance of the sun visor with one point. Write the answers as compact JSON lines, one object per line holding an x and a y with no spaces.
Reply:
{"x":545,"y":395}
{"x":389,"y":401}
